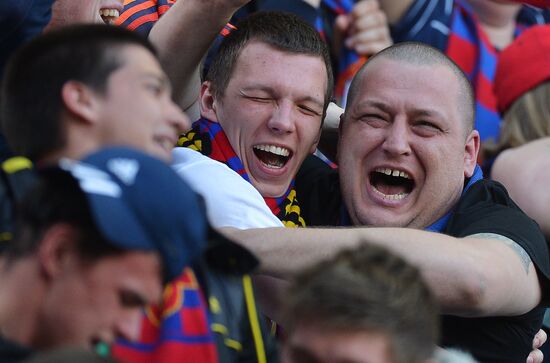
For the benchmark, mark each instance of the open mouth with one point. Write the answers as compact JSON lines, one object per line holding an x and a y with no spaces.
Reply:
{"x":165,"y":143}
{"x":391,"y":184}
{"x":271,"y":156}
{"x":109,"y":16}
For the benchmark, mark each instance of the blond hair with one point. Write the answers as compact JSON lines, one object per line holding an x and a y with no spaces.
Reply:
{"x":526,"y":120}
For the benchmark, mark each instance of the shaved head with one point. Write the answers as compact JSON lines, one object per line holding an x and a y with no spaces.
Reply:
{"x":422,"y":55}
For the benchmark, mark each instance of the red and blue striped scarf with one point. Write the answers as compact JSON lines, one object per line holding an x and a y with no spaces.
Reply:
{"x":141,"y":15}
{"x":470,"y":48}
{"x":208,"y":138}
{"x":349,"y":61}
{"x":177,"y":331}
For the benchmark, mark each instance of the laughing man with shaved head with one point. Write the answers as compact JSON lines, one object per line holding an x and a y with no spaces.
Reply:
{"x":407,"y":163}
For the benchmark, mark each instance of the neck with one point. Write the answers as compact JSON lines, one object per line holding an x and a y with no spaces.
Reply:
{"x":80,"y":141}
{"x":21,"y":292}
{"x":497,"y":19}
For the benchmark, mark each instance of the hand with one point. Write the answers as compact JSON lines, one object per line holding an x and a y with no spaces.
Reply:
{"x":365,"y":29}
{"x":215,"y":4}
{"x":536,"y":355}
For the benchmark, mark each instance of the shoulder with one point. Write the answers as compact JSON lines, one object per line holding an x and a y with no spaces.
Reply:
{"x":191,"y":164}
{"x":231,"y":201}
{"x":487,"y":209}
{"x":427,"y":21}
{"x":530,"y":15}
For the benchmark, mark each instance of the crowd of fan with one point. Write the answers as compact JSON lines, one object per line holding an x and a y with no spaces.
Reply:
{"x":264,"y":181}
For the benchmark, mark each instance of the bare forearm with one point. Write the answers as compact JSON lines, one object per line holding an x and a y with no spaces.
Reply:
{"x":461,"y":272}
{"x":183,"y":36}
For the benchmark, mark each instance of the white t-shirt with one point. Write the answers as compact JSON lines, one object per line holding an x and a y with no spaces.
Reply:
{"x":231,"y":201}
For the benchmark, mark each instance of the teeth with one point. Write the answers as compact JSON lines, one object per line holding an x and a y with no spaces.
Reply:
{"x":272,"y":166}
{"x":393,"y":172}
{"x":273,"y":149}
{"x":391,"y":196}
{"x":109,"y":12}
{"x":167,"y":144}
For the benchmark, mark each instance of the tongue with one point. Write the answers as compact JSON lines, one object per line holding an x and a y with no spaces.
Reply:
{"x":389,"y":189}
{"x":269,"y":158}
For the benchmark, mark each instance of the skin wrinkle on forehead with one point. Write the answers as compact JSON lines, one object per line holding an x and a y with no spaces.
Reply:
{"x":465,"y":99}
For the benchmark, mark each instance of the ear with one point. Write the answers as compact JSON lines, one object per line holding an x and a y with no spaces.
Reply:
{"x":57,"y":249}
{"x":80,"y":100}
{"x":208,"y":102}
{"x":471,"y":151}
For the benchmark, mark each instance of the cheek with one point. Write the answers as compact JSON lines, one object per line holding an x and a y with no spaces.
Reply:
{"x":309,"y":132}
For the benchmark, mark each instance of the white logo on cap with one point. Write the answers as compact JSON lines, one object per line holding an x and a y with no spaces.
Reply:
{"x":125,"y":169}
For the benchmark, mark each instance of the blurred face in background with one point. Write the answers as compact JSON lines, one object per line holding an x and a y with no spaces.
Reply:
{"x":66,"y":12}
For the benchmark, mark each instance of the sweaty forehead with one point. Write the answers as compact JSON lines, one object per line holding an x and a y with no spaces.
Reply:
{"x":400,"y":83}
{"x":421,"y":76}
{"x":262,"y":65}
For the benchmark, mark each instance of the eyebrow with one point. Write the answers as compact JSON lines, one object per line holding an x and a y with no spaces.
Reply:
{"x":162,"y":78}
{"x":428,"y":113}
{"x":385,"y":108}
{"x":271,"y":91}
{"x":376,"y":104}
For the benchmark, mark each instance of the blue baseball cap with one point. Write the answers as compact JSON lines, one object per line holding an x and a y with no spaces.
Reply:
{"x":139,"y":203}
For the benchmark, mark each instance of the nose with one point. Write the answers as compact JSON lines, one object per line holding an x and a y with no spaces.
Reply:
{"x":282,"y":119}
{"x":128,"y":324}
{"x":177,"y":118}
{"x":396,"y":141}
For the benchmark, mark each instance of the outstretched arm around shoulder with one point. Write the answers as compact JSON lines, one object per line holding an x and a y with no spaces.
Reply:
{"x":480,"y":275}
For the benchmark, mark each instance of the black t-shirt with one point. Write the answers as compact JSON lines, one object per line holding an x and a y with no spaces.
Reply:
{"x":484,"y":208}
{"x":11,"y":352}
{"x":318,"y":191}
{"x":487,"y":208}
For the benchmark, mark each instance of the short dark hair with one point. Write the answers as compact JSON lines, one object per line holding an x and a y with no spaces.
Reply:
{"x":57,"y":198}
{"x":283,"y":31}
{"x":367,"y":289}
{"x":32,"y":106}
{"x":423,"y":54}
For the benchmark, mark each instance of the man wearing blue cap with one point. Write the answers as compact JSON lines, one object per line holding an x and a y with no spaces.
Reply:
{"x":95,"y":86}
{"x":96,"y":239}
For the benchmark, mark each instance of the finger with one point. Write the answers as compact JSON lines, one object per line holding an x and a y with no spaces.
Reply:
{"x":369,"y":36}
{"x":540,"y":339}
{"x":535,"y":356}
{"x":364,"y":7}
{"x":341,"y":26}
{"x":371,"y":48}
{"x":374,"y":20}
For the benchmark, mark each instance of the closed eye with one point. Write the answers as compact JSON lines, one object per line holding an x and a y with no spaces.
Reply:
{"x":131,"y":299}
{"x":259,"y":99}
{"x":309,"y":111}
{"x":374,"y":120}
{"x":428,"y":128}
{"x":155,"y":89}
